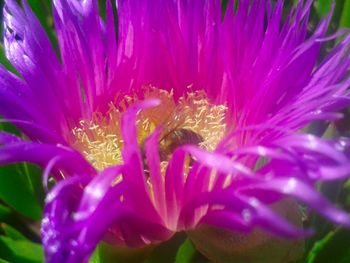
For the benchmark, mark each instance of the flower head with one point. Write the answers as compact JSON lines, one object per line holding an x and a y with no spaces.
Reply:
{"x":175,"y":118}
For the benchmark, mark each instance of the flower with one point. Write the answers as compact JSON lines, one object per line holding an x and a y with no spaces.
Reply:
{"x":175,"y":118}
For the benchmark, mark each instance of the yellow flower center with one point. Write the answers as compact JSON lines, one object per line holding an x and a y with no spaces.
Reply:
{"x":192,"y":119}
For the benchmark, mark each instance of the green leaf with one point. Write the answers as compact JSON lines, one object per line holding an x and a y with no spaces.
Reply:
{"x":18,"y":191}
{"x":3,"y":261}
{"x":13,"y":233}
{"x":334,"y":247}
{"x":102,"y":8}
{"x":10,"y":128}
{"x":167,"y":251}
{"x":5,"y":212}
{"x":20,"y":251}
{"x":345,"y":16}
{"x":4,"y":61}
{"x":347,"y":193}
{"x":43,"y":11}
{"x":122,"y":254}
{"x":95,"y":258}
{"x":333,"y":191}
{"x":24,"y":177}
{"x":186,"y":252}
{"x":323,"y":7}
{"x":34,"y":176}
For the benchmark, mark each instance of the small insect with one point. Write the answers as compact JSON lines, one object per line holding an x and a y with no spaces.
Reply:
{"x":170,"y":141}
{"x":176,"y":138}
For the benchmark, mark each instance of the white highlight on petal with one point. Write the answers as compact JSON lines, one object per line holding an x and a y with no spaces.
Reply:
{"x":340,"y":145}
{"x":261,"y":151}
{"x":290,"y":186}
{"x":247,"y":216}
{"x":312,"y":141}
{"x":254,"y":202}
{"x":95,"y":192}
{"x":129,"y":48}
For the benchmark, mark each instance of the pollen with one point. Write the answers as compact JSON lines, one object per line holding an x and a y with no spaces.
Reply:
{"x":100,"y":138}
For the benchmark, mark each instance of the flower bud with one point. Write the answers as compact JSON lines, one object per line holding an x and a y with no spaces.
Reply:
{"x":223,"y":246}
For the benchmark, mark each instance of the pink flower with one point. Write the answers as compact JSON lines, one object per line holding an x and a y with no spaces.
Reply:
{"x":175,"y":118}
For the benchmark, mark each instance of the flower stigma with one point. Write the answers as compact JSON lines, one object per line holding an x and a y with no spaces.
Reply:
{"x":191,"y":119}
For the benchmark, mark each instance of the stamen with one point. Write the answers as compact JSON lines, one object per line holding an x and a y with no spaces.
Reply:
{"x":193,"y":117}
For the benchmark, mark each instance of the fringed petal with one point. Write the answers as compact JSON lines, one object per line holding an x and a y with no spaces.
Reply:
{"x":169,"y":44}
{"x":30,"y":51}
{"x":37,"y":132}
{"x":80,"y":35}
{"x":81,"y":211}
{"x":279,"y":176}
{"x":13,"y":151}
{"x":302,"y":192}
{"x":14,"y":93}
{"x":218,"y":189}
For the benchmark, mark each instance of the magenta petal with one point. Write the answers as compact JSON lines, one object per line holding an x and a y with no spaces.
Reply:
{"x":302,"y":192}
{"x":20,"y":151}
{"x":156,"y":178}
{"x":81,"y":210}
{"x":264,"y":66}
{"x":226,"y":220}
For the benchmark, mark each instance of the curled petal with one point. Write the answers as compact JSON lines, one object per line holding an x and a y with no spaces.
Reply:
{"x":302,"y":192}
